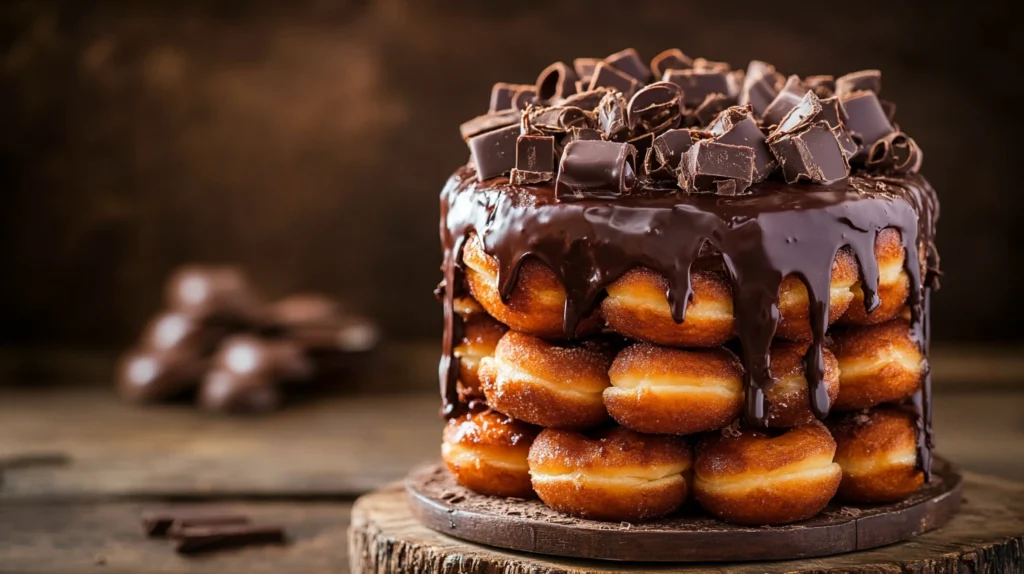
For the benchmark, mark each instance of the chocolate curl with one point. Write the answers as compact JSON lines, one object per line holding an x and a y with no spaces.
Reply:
{"x":866,"y":120}
{"x":698,"y":83}
{"x":584,"y":68}
{"x":612,"y":117}
{"x":556,"y":82}
{"x":671,"y":59}
{"x":553,"y":120}
{"x":662,"y":160}
{"x":737,"y":126}
{"x":760,"y":86}
{"x":786,"y":100}
{"x":535,"y":160}
{"x":502,"y":95}
{"x":864,"y":80}
{"x":629,"y":62}
{"x":812,"y":153}
{"x":897,"y":153}
{"x":606,"y":76}
{"x":591,"y":166}
{"x":488,"y":122}
{"x":655,"y":108}
{"x":494,"y":152}
{"x":710,"y":166}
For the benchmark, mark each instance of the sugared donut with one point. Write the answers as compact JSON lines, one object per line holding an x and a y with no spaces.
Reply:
{"x":893,"y":283}
{"x":546,"y":384}
{"x":750,"y":477}
{"x":637,"y":306}
{"x":486,"y":452}
{"x":794,"y":305}
{"x":877,"y":364}
{"x":788,"y":399}
{"x":537,"y":302}
{"x":877,"y":450}
{"x":611,"y":474}
{"x":480,"y":336}
{"x":671,"y":391}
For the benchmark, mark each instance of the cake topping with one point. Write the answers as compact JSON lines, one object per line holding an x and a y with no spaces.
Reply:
{"x":629,"y":62}
{"x":502,"y":95}
{"x":671,"y":59}
{"x":866,"y":119}
{"x":896,"y":152}
{"x":535,"y":160}
{"x":736,"y":126}
{"x":557,"y":81}
{"x":784,"y":101}
{"x":662,"y":162}
{"x":589,"y":166}
{"x":606,"y":76}
{"x":869,"y":80}
{"x":812,"y":152}
{"x":713,"y":166}
{"x":584,"y":68}
{"x":494,"y":152}
{"x":655,"y":108}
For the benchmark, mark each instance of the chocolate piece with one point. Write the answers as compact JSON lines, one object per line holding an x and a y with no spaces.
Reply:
{"x":760,"y":86}
{"x":244,"y":354}
{"x":889,"y":108}
{"x":866,"y":119}
{"x":181,"y":330}
{"x":502,"y":94}
{"x":896,"y":152}
{"x":711,"y":65}
{"x":535,"y":160}
{"x":612,"y":118}
{"x":870,"y":80}
{"x":166,"y":521}
{"x":523,"y":97}
{"x":846,"y":141}
{"x":735,"y":80}
{"x":216,"y":294}
{"x":709,"y":109}
{"x":736,"y":126}
{"x":556,"y":82}
{"x":708,"y":162}
{"x":584,"y":68}
{"x":629,"y":62}
{"x":582,"y":85}
{"x":697,"y":84}
{"x":494,"y":152}
{"x":786,"y":100}
{"x":553,"y":120}
{"x":671,"y":59}
{"x":803,"y":114}
{"x":655,"y":108}
{"x":606,"y":76}
{"x":822,"y":86}
{"x":662,"y":160}
{"x":489,"y":122}
{"x":586,"y":99}
{"x":576,"y":134}
{"x":150,"y":375}
{"x":832,"y":112}
{"x":227,"y":391}
{"x":812,"y":153}
{"x":589,"y":166}
{"x":206,"y":538}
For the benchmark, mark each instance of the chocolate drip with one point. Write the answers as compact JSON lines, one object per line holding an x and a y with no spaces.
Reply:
{"x":776,"y":230}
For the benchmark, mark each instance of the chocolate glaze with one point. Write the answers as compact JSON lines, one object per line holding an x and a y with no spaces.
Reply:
{"x":776,"y":230}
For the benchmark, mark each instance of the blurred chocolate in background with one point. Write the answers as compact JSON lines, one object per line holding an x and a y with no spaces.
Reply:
{"x":307,"y":141}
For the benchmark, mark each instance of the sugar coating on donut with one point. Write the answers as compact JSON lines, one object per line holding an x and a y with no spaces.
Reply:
{"x":893,"y":283}
{"x":877,"y":364}
{"x":480,"y":337}
{"x":877,"y":450}
{"x":788,"y":399}
{"x":794,"y":303}
{"x":487,"y":453}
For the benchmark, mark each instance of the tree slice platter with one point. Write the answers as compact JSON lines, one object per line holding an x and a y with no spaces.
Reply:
{"x":691,"y":536}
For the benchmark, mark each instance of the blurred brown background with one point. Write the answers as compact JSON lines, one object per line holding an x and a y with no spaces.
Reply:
{"x":308,"y":140}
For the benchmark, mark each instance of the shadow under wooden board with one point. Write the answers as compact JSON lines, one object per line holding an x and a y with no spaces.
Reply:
{"x":986,"y":535}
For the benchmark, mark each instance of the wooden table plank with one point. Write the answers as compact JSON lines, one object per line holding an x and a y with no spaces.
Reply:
{"x":38,"y":538}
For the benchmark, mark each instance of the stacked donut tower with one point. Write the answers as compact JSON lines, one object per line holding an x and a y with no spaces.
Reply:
{"x":681,"y":279}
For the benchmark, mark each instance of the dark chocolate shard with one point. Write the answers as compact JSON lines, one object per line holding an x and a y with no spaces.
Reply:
{"x":812,"y":153}
{"x":207,"y":538}
{"x":823,"y":86}
{"x":869,"y":80}
{"x":786,"y":100}
{"x":709,"y":109}
{"x":735,"y":80}
{"x":584,"y":68}
{"x":866,"y":120}
{"x":523,"y":97}
{"x":595,"y":166}
{"x":554,"y":120}
{"x":737,"y":126}
{"x":612,"y":118}
{"x":535,"y":160}
{"x":586,"y":100}
{"x":494,"y":152}
{"x":708,"y":162}
{"x":803,"y":114}
{"x":606,"y":76}
{"x":502,"y":95}
{"x":556,"y":82}
{"x":671,"y":59}
{"x":833,"y":112}
{"x":897,"y":153}
{"x":760,"y":86}
{"x":165,"y":521}
{"x":697,"y":84}
{"x":846,"y":141}
{"x":488,"y":122}
{"x":655,"y":108}
{"x":575,"y":134}
{"x":629,"y":62}
{"x":662,"y":160}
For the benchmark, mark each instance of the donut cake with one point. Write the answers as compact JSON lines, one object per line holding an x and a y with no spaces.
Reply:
{"x":673,"y":281}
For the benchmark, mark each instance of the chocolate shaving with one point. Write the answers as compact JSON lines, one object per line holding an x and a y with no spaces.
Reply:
{"x":502,"y":95}
{"x":697,"y":84}
{"x":671,"y":59}
{"x":812,"y":153}
{"x":584,"y":68}
{"x":488,"y":122}
{"x":708,"y":163}
{"x":535,"y":160}
{"x":709,"y":109}
{"x":786,"y":100}
{"x":589,"y":166}
{"x":866,"y":120}
{"x":612,"y":116}
{"x":494,"y":152}
{"x":606,"y":76}
{"x":630,"y":63}
{"x":655,"y":108}
{"x":553,"y":120}
{"x":896,"y":153}
{"x":662,"y":160}
{"x":736,"y":126}
{"x":556,"y":82}
{"x":869,"y":80}
{"x":822,"y":86}
{"x":760,"y":86}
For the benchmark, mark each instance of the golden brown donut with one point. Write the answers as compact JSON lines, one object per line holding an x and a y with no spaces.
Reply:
{"x":546,"y":384}
{"x":480,"y":336}
{"x":893,"y":283}
{"x":877,"y":364}
{"x":671,"y":391}
{"x":750,"y":477}
{"x":486,"y":452}
{"x":794,"y":306}
{"x":610,"y":474}
{"x":877,"y":450}
{"x":788,"y":399}
{"x":537,"y":302}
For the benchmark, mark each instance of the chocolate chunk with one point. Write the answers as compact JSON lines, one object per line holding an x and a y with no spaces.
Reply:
{"x":576,"y":134}
{"x":889,"y":108}
{"x":150,"y":375}
{"x":803,"y":114}
{"x":870,"y":80}
{"x":822,"y":86}
{"x":812,"y":153}
{"x":760,"y":86}
{"x":896,"y":152}
{"x":697,"y":84}
{"x":866,"y":119}
{"x":556,"y":82}
{"x":735,"y":80}
{"x":494,"y":152}
{"x":167,"y":521}
{"x":711,"y":65}
{"x":662,"y":160}
{"x":671,"y":59}
{"x":206,"y":538}
{"x":786,"y":100}
{"x":535,"y":160}
{"x":502,"y":94}
{"x":227,"y":391}
{"x":846,"y":141}
{"x":181,"y":330}
{"x":655,"y":108}
{"x":584,"y":68}
{"x":554,"y":120}
{"x":590,"y":166}
{"x":709,"y":109}
{"x":629,"y":62}
{"x":833,"y":112}
{"x":216,"y":294}
{"x":523,"y":97}
{"x":707,"y":163}
{"x":737,"y":126}
{"x":606,"y":76}
{"x":612,"y":117}
{"x":586,"y":99}
{"x":488,"y":122}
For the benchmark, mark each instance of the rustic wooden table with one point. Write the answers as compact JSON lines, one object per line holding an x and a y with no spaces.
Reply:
{"x":78,"y":466}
